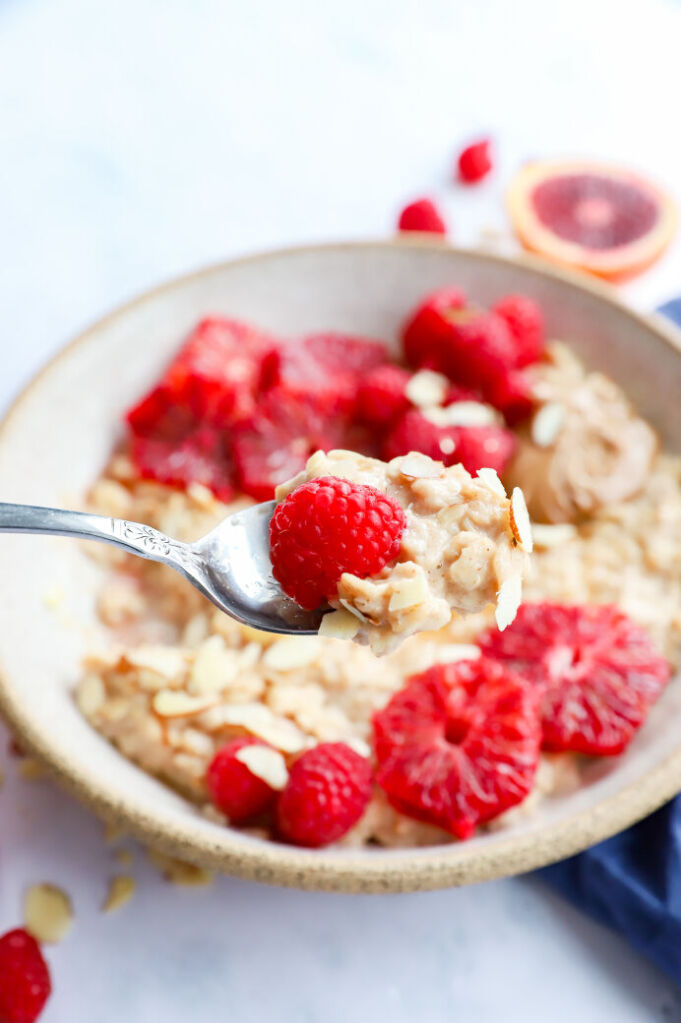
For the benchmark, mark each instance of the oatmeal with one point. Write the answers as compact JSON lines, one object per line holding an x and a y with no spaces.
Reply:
{"x":458,"y":551}
{"x":464,"y":725}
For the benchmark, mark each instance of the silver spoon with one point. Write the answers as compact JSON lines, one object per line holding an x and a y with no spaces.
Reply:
{"x":230,"y":565}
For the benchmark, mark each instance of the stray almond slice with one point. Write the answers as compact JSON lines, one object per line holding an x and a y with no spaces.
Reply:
{"x":178,"y":872}
{"x":409,"y":593}
{"x":547,"y":423}
{"x":169,"y":703}
{"x":339,"y":625}
{"x":509,"y":599}
{"x":417,"y":466}
{"x":490,"y":478}
{"x":291,"y":652}
{"x":266,"y":764}
{"x":520,"y":521}
{"x":48,"y":914}
{"x":427,"y":388}
{"x":553,"y":536}
{"x":121,"y":890}
{"x":463,"y":413}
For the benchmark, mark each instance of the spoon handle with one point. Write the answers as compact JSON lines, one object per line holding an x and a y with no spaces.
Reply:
{"x":133,"y":537}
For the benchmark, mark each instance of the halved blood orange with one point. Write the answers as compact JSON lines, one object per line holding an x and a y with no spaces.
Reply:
{"x":593,"y":216}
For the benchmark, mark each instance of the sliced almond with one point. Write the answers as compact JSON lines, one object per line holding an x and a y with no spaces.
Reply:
{"x":201,"y":496}
{"x":214,"y":667}
{"x":291,"y":652}
{"x":48,"y":913}
{"x":266,"y":764}
{"x":509,"y":599}
{"x":417,"y":466}
{"x":463,"y":413}
{"x":427,"y":388}
{"x":446,"y":653}
{"x":409,"y":593}
{"x":447,"y":445}
{"x":121,"y":890}
{"x":553,"y":536}
{"x":169,"y":703}
{"x":359,"y":746}
{"x":167,"y":661}
{"x":339,"y":625}
{"x":354,"y":611}
{"x":491,"y":479}
{"x":547,"y":423}
{"x":520,"y":521}
{"x":178,"y":872}
{"x":259,"y":720}
{"x":90,"y":695}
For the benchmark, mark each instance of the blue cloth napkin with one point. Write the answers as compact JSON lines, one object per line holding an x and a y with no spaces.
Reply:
{"x":632,"y":881}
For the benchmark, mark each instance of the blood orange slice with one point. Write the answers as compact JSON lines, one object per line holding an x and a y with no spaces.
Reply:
{"x":596,"y":217}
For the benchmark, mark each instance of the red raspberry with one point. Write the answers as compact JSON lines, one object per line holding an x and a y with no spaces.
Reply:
{"x":422,"y":215}
{"x":526,"y":323}
{"x":381,"y":396}
{"x":473,"y":446}
{"x":511,"y":394}
{"x":25,"y":982}
{"x":596,"y":671}
{"x":459,"y":744}
{"x":474,"y":162}
{"x":329,"y":526}
{"x":423,"y":333}
{"x":233,"y":788}
{"x":200,"y":457}
{"x":327,"y":792}
{"x":343,"y":353}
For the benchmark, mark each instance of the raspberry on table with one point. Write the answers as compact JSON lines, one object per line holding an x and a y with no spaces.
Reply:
{"x":25,"y":982}
{"x":475,"y":447}
{"x":329,"y":526}
{"x":597,"y":672}
{"x":474,"y":162}
{"x":328,"y":790}
{"x":459,"y":744}
{"x":526,"y":323}
{"x":382,"y":395}
{"x":422,"y":215}
{"x":235,"y":790}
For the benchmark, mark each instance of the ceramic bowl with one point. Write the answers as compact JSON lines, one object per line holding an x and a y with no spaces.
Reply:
{"x":56,"y":439}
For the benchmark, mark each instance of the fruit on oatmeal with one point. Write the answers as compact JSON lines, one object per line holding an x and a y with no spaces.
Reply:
{"x":596,"y":671}
{"x":329,"y":526}
{"x":585,"y":448}
{"x":474,"y":447}
{"x":422,"y":215}
{"x":327,"y":792}
{"x":526,"y":323}
{"x":455,"y":547}
{"x":201,"y":457}
{"x":459,"y":744}
{"x":239,"y":791}
{"x":474,"y":162}
{"x":382,"y":395}
{"x":592,"y":216}
{"x":25,"y":982}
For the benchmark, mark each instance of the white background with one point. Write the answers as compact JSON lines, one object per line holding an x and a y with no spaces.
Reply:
{"x":141,"y":138}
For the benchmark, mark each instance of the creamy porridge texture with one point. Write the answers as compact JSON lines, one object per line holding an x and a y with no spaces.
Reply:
{"x":459,"y":551}
{"x":208,"y":705}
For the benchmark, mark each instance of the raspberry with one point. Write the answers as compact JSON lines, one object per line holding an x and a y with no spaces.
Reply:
{"x":329,"y":526}
{"x":25,"y":982}
{"x":327,"y":792}
{"x":200,"y":457}
{"x":213,"y":380}
{"x":473,"y":446}
{"x":459,"y":744}
{"x":596,"y":671}
{"x":422,"y":334}
{"x":343,"y":353}
{"x":526,"y":323}
{"x":421,"y":215}
{"x":381,"y":396}
{"x":474,"y":162}
{"x":512,"y":395}
{"x":234,"y":789}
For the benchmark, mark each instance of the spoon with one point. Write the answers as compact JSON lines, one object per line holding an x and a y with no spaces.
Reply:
{"x":230,"y":565}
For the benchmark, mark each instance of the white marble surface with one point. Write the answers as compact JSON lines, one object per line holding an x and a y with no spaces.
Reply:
{"x":143,"y":137}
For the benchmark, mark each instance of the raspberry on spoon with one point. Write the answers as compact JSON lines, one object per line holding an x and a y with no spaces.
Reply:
{"x":597,"y":673}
